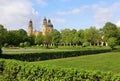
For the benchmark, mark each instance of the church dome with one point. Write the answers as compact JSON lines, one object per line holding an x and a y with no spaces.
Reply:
{"x":49,"y":24}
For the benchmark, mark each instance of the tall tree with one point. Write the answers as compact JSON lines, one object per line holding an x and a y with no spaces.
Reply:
{"x":110,"y":33}
{"x":80,"y":37}
{"x":3,"y":35}
{"x":56,"y":37}
{"x":91,"y":35}
{"x":66,"y":36}
{"x":17,"y":36}
{"x":110,"y":30}
{"x":47,"y":39}
{"x":39,"y":39}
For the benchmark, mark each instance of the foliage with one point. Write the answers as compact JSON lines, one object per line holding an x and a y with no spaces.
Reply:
{"x":6,"y":45}
{"x":104,"y":62}
{"x":55,"y":36}
{"x":52,"y":55}
{"x":39,"y":39}
{"x":112,"y":42}
{"x":69,"y":37}
{"x":21,"y":44}
{"x":110,"y":30}
{"x":15,"y":37}
{"x":26,"y":44}
{"x":92,"y":35}
{"x":111,"y":34}
{"x":12,"y":70}
{"x":3,"y":35}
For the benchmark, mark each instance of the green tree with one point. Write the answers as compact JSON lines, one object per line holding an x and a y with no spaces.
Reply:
{"x":47,"y":39}
{"x":15,"y":37}
{"x":66,"y":36}
{"x":91,"y":35}
{"x":56,"y":37}
{"x":80,"y":37}
{"x":3,"y":37}
{"x":26,"y":44}
{"x":110,"y":30}
{"x":112,"y":42}
{"x":39,"y":39}
{"x":73,"y":37}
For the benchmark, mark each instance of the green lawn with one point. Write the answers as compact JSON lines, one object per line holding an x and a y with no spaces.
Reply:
{"x":103,"y":62}
{"x":38,"y":49}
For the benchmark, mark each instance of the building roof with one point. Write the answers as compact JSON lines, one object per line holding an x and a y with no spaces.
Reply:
{"x":49,"y":24}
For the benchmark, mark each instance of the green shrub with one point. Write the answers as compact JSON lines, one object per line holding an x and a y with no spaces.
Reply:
{"x":6,"y":45}
{"x":52,"y":55}
{"x":24,"y":71}
{"x":21,"y":44}
{"x":26,"y":44}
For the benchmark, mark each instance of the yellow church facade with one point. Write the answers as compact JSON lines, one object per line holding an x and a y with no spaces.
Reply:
{"x":47,"y":27}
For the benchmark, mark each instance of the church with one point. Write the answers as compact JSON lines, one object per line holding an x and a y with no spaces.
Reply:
{"x":47,"y":27}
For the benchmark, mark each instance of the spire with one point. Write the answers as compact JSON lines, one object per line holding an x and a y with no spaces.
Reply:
{"x":44,"y":21}
{"x":30,"y":28}
{"x":49,"y":24}
{"x":49,"y":21}
{"x":30,"y":21}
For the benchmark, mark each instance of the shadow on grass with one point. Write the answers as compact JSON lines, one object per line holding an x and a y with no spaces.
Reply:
{"x":51,"y":55}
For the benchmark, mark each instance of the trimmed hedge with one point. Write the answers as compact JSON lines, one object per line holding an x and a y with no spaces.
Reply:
{"x":52,"y":55}
{"x":12,"y":70}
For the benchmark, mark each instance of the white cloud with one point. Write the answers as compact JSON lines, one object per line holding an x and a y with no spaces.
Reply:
{"x":118,"y":23}
{"x":41,"y":2}
{"x":105,"y":14}
{"x":73,"y":11}
{"x":15,"y":14}
{"x":58,"y":20}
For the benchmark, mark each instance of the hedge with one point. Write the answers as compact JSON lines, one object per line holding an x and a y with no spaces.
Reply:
{"x":52,"y":55}
{"x":12,"y":70}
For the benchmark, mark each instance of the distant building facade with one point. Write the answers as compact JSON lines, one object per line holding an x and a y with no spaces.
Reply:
{"x":47,"y":27}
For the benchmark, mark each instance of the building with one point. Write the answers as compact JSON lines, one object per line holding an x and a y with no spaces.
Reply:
{"x":47,"y":27}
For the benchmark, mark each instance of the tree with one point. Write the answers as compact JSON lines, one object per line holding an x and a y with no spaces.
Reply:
{"x":110,"y":30}
{"x":39,"y":39}
{"x":73,"y":37}
{"x":112,"y":41}
{"x":3,"y":36}
{"x":80,"y":37}
{"x":47,"y":39}
{"x":15,"y":37}
{"x":66,"y":36}
{"x":56,"y":37}
{"x":91,"y":35}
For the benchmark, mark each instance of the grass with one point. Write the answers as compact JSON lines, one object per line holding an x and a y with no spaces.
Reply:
{"x":103,"y":62}
{"x":39,"y":49}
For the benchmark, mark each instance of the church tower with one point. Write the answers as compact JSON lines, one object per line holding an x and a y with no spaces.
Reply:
{"x":30,"y":28}
{"x":44,"y":26}
{"x":47,"y":26}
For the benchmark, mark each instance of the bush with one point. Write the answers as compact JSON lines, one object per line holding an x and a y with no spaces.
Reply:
{"x":0,"y":51}
{"x":23,"y":71}
{"x":52,"y":55}
{"x":112,"y":42}
{"x":26,"y":44}
{"x":21,"y":44}
{"x":6,"y":45}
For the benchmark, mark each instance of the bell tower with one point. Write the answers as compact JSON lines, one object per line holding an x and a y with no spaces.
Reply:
{"x":44,"y":26}
{"x":30,"y":28}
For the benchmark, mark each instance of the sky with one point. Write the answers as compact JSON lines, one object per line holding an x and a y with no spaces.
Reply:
{"x":72,"y":14}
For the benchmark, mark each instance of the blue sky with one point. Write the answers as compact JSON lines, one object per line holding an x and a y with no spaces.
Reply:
{"x":73,"y":14}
